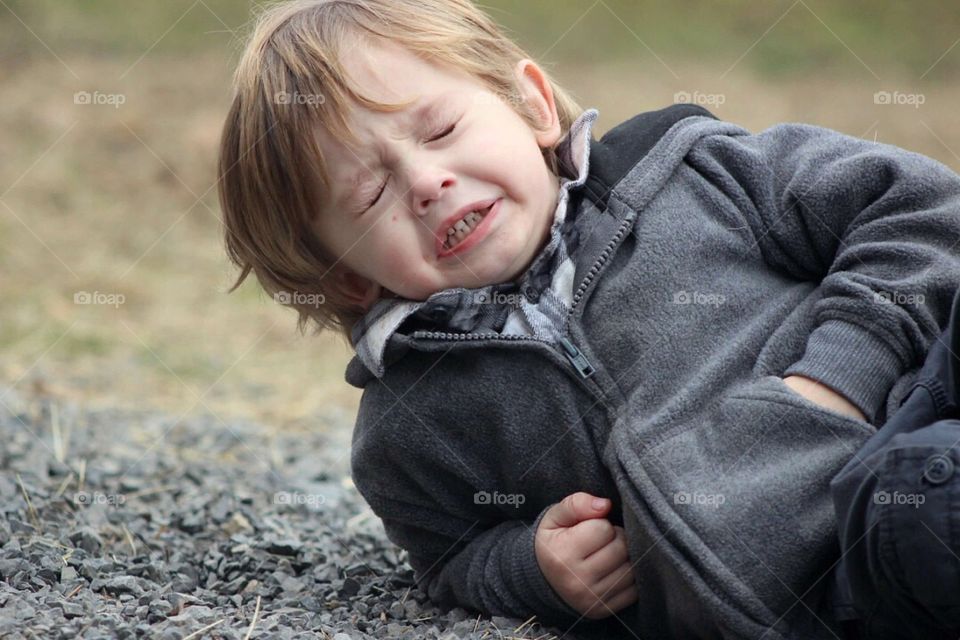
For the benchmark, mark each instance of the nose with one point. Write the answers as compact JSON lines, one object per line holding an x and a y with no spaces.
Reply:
{"x":428,"y":187}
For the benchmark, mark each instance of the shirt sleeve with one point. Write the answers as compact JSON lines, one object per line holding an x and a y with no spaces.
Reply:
{"x":877,"y":226}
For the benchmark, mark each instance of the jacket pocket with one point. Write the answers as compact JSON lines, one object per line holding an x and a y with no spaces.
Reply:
{"x":737,"y":499}
{"x":813,"y":406}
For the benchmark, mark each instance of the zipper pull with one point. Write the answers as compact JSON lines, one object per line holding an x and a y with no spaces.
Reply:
{"x":577,"y":359}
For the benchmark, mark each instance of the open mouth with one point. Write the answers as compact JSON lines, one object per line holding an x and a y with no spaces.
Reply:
{"x":464,"y":227}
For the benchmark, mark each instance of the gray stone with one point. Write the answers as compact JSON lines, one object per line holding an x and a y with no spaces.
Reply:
{"x":10,"y":566}
{"x":68,"y":574}
{"x":87,"y":539}
{"x":350,"y":588}
{"x":285,"y":547}
{"x":192,"y":522}
{"x":463,"y":628}
{"x":122,"y":585}
{"x":292,"y":585}
{"x":504,"y":624}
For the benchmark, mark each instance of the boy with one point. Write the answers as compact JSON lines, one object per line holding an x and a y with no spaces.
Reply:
{"x":697,"y":325}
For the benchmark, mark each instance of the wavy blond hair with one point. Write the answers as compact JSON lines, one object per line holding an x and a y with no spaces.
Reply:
{"x":270,"y":162}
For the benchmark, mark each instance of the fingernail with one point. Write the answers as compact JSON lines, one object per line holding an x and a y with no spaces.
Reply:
{"x":599,"y":503}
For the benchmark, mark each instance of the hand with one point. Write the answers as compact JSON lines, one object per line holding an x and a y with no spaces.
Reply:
{"x":824,"y":396}
{"x":584,"y":557}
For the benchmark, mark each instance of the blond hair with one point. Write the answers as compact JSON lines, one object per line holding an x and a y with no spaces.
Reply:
{"x":269,"y":157}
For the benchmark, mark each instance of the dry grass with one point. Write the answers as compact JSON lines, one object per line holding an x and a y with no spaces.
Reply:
{"x":121,"y":201}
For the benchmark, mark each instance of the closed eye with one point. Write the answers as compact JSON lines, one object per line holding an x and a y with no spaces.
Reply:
{"x":384,"y":188}
{"x":444,"y":133}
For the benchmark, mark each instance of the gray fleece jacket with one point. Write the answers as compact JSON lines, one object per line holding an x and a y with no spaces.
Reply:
{"x":709,"y":263}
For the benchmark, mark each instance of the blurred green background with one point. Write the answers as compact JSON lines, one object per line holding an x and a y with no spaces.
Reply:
{"x":810,"y":36}
{"x":121,"y":199}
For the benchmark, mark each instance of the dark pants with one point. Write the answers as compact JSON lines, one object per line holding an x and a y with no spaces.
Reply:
{"x":898,"y":510}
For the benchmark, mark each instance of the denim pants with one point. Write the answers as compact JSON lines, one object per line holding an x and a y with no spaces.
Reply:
{"x":898,"y":511}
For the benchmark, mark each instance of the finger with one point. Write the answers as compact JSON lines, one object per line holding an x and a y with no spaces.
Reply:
{"x":618,"y":580}
{"x":590,"y":536}
{"x":608,"y":558}
{"x":574,"y":509}
{"x":623,"y":599}
{"x":606,"y":608}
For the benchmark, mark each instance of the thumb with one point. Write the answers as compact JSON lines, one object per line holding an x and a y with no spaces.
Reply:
{"x":573,"y":509}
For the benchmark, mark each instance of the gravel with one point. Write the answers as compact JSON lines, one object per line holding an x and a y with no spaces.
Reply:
{"x":121,"y":524}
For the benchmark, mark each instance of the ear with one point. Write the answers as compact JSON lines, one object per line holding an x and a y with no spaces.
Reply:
{"x":538,"y":93}
{"x":357,"y":289}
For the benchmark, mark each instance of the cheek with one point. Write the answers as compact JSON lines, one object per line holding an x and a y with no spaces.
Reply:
{"x":518,"y":164}
{"x":392,"y":258}
{"x":396,"y":261}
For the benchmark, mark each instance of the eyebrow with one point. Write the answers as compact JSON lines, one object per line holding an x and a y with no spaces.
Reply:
{"x":420,"y":113}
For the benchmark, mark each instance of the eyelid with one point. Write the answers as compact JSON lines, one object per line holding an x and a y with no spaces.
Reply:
{"x":442,"y":123}
{"x":369,"y":204}
{"x":444,"y":132}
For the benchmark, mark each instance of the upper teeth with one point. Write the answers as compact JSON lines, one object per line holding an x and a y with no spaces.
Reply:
{"x":466,"y":223}
{"x":464,"y":226}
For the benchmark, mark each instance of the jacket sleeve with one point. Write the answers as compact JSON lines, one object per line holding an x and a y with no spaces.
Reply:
{"x":460,"y":556}
{"x":877,"y":226}
{"x":494,"y":571}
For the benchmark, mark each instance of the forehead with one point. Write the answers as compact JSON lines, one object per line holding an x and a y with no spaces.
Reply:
{"x":387,"y":72}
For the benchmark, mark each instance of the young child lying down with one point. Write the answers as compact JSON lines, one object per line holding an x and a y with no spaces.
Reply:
{"x":600,"y":378}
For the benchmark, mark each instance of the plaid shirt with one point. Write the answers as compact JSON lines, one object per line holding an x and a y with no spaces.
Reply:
{"x":534,"y":305}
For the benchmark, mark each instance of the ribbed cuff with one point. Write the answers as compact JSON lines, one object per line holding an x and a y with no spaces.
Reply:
{"x":853,"y":362}
{"x":550,"y":607}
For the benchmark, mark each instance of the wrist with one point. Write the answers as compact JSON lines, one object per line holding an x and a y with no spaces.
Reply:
{"x":820,"y":394}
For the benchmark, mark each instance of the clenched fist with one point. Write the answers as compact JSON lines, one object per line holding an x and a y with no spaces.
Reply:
{"x":584,"y":557}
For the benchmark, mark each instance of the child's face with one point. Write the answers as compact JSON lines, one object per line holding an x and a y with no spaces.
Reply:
{"x":396,"y":245}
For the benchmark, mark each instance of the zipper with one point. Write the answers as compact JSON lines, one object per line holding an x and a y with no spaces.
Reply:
{"x":574,"y":355}
{"x":570,"y":350}
{"x":627,"y":222}
{"x":577,"y":359}
{"x":444,"y":335}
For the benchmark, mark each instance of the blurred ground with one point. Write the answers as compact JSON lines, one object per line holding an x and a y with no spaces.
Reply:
{"x":120,"y":198}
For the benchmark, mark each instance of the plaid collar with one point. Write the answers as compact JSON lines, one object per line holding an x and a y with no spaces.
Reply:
{"x":547,"y":281}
